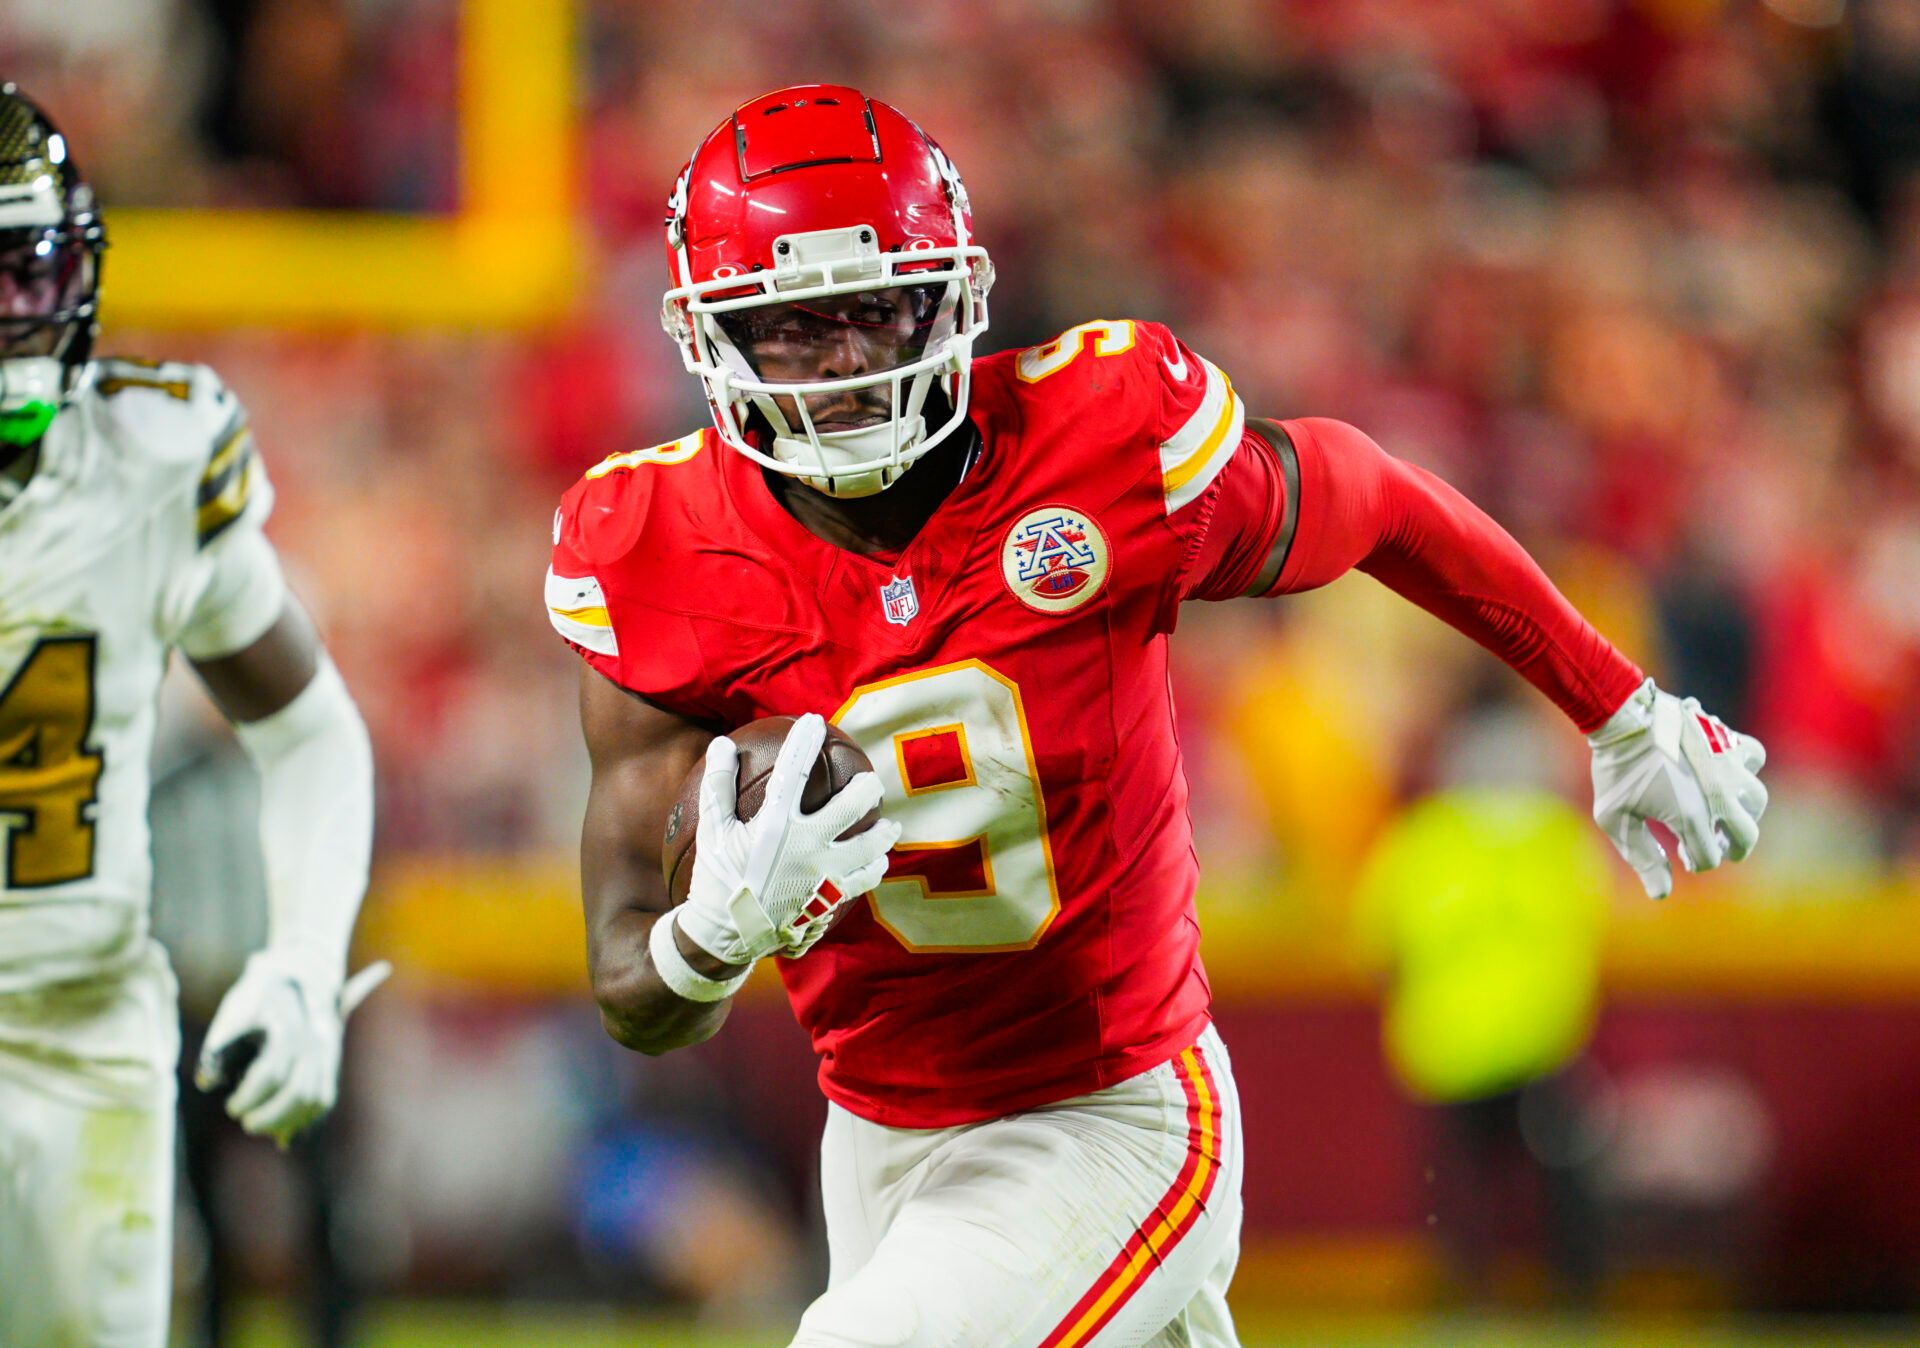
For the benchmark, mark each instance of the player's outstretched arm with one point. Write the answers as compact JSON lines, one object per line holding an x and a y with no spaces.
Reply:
{"x":640,"y":755}
{"x":1655,"y":757}
{"x":277,"y":1032}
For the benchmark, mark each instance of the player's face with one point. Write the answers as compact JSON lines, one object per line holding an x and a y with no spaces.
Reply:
{"x":40,"y":275}
{"x":838,"y":337}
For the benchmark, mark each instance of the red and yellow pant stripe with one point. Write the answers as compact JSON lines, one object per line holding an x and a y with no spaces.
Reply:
{"x":1177,"y":1213}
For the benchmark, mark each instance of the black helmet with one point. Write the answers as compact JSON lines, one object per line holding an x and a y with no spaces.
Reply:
{"x":50,"y":242}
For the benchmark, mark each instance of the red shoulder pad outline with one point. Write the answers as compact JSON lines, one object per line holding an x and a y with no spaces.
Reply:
{"x":603,"y":514}
{"x":600,"y":521}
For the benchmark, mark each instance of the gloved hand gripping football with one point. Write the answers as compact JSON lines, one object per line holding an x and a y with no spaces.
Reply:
{"x":773,"y":882}
{"x":1662,"y":757}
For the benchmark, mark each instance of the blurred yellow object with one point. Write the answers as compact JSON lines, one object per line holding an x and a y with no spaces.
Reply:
{"x":512,"y":925}
{"x":1718,"y":940}
{"x":1489,"y":908}
{"x":1317,"y":713}
{"x":1317,"y":758}
{"x":500,"y":924}
{"x":507,"y":258}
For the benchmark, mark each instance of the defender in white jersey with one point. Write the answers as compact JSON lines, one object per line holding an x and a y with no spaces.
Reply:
{"x":131,"y":505}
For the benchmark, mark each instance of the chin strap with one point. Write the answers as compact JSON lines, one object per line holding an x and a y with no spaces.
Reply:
{"x":975,"y":444}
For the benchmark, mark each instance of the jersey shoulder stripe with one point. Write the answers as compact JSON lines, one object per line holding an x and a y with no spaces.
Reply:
{"x":577,"y":608}
{"x":1192,"y":457}
{"x":226,"y":483}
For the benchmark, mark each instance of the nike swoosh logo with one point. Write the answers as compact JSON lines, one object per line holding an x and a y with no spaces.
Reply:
{"x":1177,"y":363}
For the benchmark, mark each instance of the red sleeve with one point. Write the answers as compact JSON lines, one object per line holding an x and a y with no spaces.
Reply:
{"x":1360,"y":507}
{"x":1241,"y":537}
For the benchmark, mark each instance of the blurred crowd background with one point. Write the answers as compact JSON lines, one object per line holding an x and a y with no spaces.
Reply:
{"x":1642,"y":277}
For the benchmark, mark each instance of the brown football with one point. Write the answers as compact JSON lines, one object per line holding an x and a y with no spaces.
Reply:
{"x":759,"y":743}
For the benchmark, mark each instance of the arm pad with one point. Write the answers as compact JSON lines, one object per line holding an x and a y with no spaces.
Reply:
{"x":316,"y":817}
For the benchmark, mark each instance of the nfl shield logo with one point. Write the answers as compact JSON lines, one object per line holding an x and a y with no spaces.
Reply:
{"x":899,"y":600}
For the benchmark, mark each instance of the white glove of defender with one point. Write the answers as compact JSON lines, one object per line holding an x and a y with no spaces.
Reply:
{"x":296,"y":1010}
{"x":771,"y":882}
{"x":1661,"y":757}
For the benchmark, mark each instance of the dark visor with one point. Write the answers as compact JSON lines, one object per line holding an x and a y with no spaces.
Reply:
{"x":839,"y":336}
{"x":45,"y":276}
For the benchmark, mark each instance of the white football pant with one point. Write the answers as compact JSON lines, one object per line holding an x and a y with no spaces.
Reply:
{"x":1110,"y":1219}
{"x":86,"y":1160}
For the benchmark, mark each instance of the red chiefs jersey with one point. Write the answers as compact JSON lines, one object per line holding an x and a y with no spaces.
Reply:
{"x":1035,"y":937}
{"x":1007,"y":674}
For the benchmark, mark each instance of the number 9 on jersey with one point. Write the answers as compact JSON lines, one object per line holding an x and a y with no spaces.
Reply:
{"x":973,"y":870}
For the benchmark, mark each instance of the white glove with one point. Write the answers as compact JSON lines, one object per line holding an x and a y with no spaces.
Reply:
{"x":289,"y":1010}
{"x":1661,"y":757}
{"x":773,"y":881}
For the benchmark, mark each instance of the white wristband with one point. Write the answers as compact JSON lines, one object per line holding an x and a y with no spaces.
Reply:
{"x":681,"y":976}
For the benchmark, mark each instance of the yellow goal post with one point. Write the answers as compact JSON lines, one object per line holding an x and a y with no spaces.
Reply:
{"x":507,"y":257}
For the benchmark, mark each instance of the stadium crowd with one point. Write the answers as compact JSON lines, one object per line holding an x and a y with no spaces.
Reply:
{"x":1642,"y":278}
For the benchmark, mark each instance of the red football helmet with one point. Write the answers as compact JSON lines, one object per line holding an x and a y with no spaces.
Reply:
{"x":820,"y":246}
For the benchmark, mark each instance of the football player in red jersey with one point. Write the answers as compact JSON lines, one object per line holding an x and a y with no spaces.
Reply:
{"x":972,"y":567}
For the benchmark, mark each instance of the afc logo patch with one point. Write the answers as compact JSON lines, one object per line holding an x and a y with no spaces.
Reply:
{"x":899,"y":600}
{"x":1055,"y":559}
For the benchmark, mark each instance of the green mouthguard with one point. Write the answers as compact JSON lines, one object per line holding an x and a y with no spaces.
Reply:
{"x":25,"y":424}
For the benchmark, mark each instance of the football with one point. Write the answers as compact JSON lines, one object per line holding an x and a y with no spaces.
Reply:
{"x":759,"y":743}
